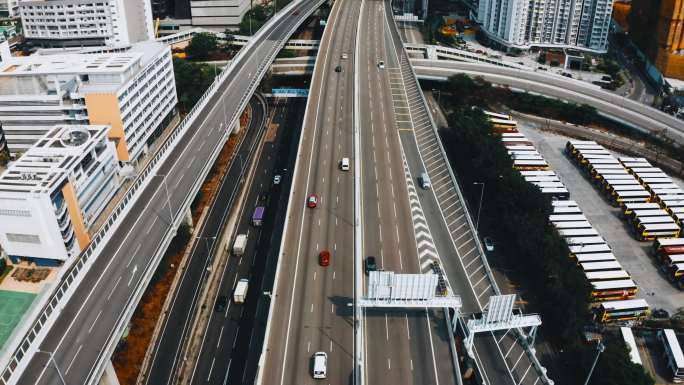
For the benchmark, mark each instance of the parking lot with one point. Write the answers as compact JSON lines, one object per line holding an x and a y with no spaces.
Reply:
{"x":632,"y":254}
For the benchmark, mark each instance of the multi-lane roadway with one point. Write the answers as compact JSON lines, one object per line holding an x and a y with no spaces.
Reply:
{"x":311,"y":310}
{"x":402,"y":346}
{"x":176,"y":327}
{"x":85,"y":330}
{"x":232,"y":336}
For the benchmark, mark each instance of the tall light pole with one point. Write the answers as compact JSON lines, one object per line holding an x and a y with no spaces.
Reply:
{"x":52,"y":358}
{"x":479,"y":207}
{"x":599,"y":349}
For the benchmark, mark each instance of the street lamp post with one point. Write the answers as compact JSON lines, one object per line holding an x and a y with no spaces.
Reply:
{"x":599,"y":349}
{"x":479,"y":207}
{"x":52,"y":358}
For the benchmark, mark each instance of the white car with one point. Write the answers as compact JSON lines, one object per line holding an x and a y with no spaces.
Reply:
{"x":344,"y":164}
{"x":381,"y":64}
{"x":344,"y":56}
{"x":276,"y":179}
{"x":489,"y":244}
{"x":320,"y":365}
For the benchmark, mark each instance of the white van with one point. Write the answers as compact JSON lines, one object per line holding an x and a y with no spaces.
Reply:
{"x":320,"y":365}
{"x":424,"y":180}
{"x":344,"y":164}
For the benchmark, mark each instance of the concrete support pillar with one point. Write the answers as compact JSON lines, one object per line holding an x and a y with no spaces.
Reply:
{"x":188,"y":218}
{"x":236,"y":127}
{"x":109,"y":376}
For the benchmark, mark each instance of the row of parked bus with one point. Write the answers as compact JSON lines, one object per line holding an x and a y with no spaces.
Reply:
{"x":623,"y":188}
{"x":664,"y":192}
{"x":526,"y":158}
{"x":613,"y":289}
{"x":609,"y":281}
{"x":669,"y":253}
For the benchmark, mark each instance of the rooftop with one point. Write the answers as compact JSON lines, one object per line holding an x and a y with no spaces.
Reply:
{"x":106,"y":69}
{"x":43,"y":167}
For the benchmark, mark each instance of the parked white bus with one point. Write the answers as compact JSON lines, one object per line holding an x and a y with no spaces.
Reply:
{"x":672,"y":352}
{"x":567,"y":218}
{"x":595,"y":276}
{"x":628,"y":337}
{"x":588,"y":249}
{"x":578,"y":232}
{"x":566,"y":210}
{"x":584,"y":240}
{"x":573,"y":225}
{"x":595,"y":257}
{"x":600,"y":266}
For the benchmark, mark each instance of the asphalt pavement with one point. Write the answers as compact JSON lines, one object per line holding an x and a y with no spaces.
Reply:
{"x":84,"y":328}
{"x":177,"y":323}
{"x":311,"y":309}
{"x":235,"y":331}
{"x":402,"y":345}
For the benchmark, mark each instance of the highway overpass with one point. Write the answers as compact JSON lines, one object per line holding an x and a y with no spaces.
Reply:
{"x":625,"y":110}
{"x":79,"y":320}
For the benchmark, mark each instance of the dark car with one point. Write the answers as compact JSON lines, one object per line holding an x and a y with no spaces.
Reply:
{"x":338,"y":69}
{"x":221,"y":303}
{"x":371,"y":265}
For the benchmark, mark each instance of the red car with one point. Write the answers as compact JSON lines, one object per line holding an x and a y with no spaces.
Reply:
{"x":312,"y":201}
{"x":324,"y":258}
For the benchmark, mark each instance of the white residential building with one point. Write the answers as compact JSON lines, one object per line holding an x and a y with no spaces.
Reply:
{"x":576,"y":24}
{"x":51,"y":196}
{"x":86,"y":22}
{"x":131,"y":89}
{"x":219,"y":14}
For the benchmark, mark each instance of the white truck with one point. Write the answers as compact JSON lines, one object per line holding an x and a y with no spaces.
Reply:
{"x":241,"y":290}
{"x":239,"y":245}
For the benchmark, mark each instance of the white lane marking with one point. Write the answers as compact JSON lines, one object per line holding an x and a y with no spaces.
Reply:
{"x":331,"y":346}
{"x":211,"y":368}
{"x":94,"y":322}
{"x":408,"y":330}
{"x":311,"y":308}
{"x":135,"y":269}
{"x":73,"y":359}
{"x":133,"y":254}
{"x":308,"y":347}
{"x":386,"y":328}
{"x":220,"y":334}
{"x":332,"y":308}
{"x":114,"y":288}
{"x":314,"y":275}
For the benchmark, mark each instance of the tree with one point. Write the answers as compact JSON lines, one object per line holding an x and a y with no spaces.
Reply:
{"x":614,"y":366}
{"x":192,"y":80}
{"x":201,"y":46}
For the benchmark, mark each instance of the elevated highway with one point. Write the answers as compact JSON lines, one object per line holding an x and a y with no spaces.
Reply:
{"x":80,"y":319}
{"x":627,"y":111}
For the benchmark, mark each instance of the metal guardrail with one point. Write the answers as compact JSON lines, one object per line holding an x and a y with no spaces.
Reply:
{"x":71,"y":275}
{"x":541,"y":371}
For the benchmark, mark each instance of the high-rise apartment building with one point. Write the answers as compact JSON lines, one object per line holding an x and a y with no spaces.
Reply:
{"x":131,"y":89}
{"x":655,"y":26}
{"x":51,"y":196}
{"x":577,"y":24}
{"x":63,"y":23}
